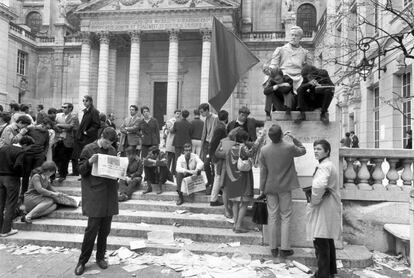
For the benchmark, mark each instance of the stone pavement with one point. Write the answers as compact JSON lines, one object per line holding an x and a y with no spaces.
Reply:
{"x":63,"y":264}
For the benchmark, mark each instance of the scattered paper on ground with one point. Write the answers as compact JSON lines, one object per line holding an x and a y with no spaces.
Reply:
{"x":396,"y":263}
{"x":137,"y":244}
{"x":161,"y":237}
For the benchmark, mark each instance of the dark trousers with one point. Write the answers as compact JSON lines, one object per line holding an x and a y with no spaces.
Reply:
{"x":31,"y":161}
{"x":207,"y":163}
{"x":325,"y":257}
{"x":156,"y":174}
{"x":144,"y":150}
{"x":179,"y":178}
{"x":171,"y":162}
{"x":279,"y":100}
{"x":61,"y":157}
{"x":9,"y":192}
{"x":97,"y":226}
{"x":129,"y":188}
{"x":311,"y":99}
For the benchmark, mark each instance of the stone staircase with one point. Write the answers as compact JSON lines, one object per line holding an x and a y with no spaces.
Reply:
{"x":204,"y":225}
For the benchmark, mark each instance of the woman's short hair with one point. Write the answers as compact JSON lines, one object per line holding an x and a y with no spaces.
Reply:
{"x":144,"y":108}
{"x":47,"y":166}
{"x":241,"y":136}
{"x":24,"y":120}
{"x":325,"y":145}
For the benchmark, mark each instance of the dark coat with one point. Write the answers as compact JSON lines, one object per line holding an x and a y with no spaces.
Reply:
{"x":182,"y":131}
{"x":219,"y":133}
{"x":270,"y":83}
{"x":150,"y":132}
{"x":250,"y":126}
{"x":99,"y":195}
{"x":90,"y":125}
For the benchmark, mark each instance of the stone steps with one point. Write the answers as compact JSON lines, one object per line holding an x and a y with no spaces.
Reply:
{"x":159,"y":218}
{"x":124,"y":229}
{"x":351,"y":256}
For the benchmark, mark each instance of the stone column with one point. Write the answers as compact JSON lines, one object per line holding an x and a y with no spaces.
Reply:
{"x":247,"y":11}
{"x":205,"y":65}
{"x":84,"y":68}
{"x":172,"y":73}
{"x":134,"y":64}
{"x":111,"y":79}
{"x":102,"y":97}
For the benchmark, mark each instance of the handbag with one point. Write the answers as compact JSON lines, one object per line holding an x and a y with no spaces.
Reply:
{"x":260,"y":213}
{"x":243,"y":165}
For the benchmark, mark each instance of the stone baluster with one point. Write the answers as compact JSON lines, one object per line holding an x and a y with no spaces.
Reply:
{"x":205,"y":65}
{"x":134,"y":67}
{"x":350,"y":174}
{"x":364,"y":175}
{"x":392,"y":175}
{"x":172,"y":86}
{"x":407,"y":175}
{"x":84,"y":67}
{"x":378,"y":175}
{"x":102,"y":96}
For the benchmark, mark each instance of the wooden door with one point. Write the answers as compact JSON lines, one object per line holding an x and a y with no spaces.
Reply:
{"x":160,"y":101}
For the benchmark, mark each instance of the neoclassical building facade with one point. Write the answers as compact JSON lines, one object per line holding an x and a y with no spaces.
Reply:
{"x":144,"y":52}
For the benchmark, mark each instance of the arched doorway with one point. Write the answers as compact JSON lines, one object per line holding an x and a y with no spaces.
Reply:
{"x":306,"y":17}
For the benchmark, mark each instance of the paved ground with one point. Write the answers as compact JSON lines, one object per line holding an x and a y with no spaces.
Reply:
{"x":63,"y":264}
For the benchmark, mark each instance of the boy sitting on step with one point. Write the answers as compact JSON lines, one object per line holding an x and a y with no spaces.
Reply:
{"x":133,"y":176}
{"x":156,"y":170}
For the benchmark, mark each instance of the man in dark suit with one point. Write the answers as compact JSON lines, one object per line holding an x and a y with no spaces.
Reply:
{"x":277,"y":180}
{"x":130,"y":130}
{"x":316,"y":91}
{"x":248,"y":124}
{"x":110,"y":120}
{"x":150,"y":131}
{"x":182,"y":134}
{"x":66,"y":123}
{"x":88,"y":128}
{"x":99,"y":200}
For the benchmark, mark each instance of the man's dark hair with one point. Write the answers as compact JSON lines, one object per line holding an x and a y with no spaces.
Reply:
{"x":102,"y":117}
{"x":5,"y":116}
{"x":47,"y":121}
{"x":144,"y":108}
{"x":88,"y":98}
{"x":52,"y":111}
{"x":275,"y":71}
{"x":134,"y":106}
{"x":196,"y":112}
{"x":109,"y":134}
{"x":275,"y":133}
{"x":24,"y":120}
{"x":40,"y":106}
{"x":69,"y":105}
{"x":204,"y":107}
{"x":24,"y":108}
{"x":26,"y":140}
{"x":347,"y":134}
{"x":177,"y":110}
{"x":185,"y":114}
{"x":1,"y":108}
{"x":325,"y":145}
{"x":223,"y":115}
{"x":308,"y":69}
{"x":241,"y":136}
{"x":187,"y":146}
{"x":352,"y":132}
{"x":14,"y":106}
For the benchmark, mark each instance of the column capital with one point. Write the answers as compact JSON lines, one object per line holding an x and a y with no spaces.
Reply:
{"x":85,"y":37}
{"x":173,"y":33}
{"x":135,"y":36}
{"x":104,"y":37}
{"x":206,"y":34}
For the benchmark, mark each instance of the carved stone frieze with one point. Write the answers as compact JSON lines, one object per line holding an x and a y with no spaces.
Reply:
{"x":206,"y":34}
{"x":181,"y":2}
{"x":135,"y":36}
{"x":173,"y":35}
{"x":130,"y":2}
{"x":104,"y":37}
{"x":155,"y":3}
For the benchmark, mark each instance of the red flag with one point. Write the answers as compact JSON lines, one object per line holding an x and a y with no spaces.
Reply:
{"x":230,"y":59}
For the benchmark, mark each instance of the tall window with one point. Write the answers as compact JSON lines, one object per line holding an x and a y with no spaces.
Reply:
{"x":34,"y":21}
{"x":406,"y":93}
{"x":376,"y":117}
{"x":21,"y":62}
{"x":306,"y":17}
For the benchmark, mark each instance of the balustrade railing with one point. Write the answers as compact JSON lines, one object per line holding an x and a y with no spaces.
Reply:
{"x":263,"y":36}
{"x":377,"y":169}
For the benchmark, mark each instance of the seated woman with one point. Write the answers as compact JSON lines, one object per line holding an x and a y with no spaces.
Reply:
{"x":324,"y":223}
{"x":38,"y":200}
{"x":279,"y":94}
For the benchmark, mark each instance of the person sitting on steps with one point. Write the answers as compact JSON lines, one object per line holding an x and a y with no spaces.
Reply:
{"x":279,"y":92}
{"x":155,"y":169}
{"x":316,"y":91}
{"x":133,"y":175}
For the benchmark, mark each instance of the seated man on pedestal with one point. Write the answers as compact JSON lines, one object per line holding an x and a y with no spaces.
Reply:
{"x":279,"y":92}
{"x":133,"y":175}
{"x":156,"y":170}
{"x":316,"y":91}
{"x":188,"y":164}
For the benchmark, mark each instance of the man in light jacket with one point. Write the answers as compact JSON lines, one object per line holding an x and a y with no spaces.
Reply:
{"x":278,"y":178}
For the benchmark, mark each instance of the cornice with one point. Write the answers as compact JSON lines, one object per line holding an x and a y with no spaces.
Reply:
{"x":7,"y":13}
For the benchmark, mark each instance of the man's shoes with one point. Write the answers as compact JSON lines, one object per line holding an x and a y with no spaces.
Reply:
{"x":61,"y":179}
{"x":275,"y":252}
{"x":122,"y":197}
{"x":26,"y":220}
{"x":10,"y":233}
{"x":79,"y":269}
{"x":102,"y":264}
{"x":216,"y":204}
{"x":324,"y":118}
{"x":180,"y":199}
{"x":148,"y":190}
{"x":302,"y":117}
{"x":208,"y":190}
{"x":286,"y":253}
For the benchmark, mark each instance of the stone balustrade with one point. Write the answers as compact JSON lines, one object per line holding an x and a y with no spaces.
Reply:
{"x":376,"y":174}
{"x":264,"y":36}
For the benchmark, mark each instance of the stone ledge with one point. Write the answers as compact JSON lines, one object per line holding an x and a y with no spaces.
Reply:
{"x":310,"y":115}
